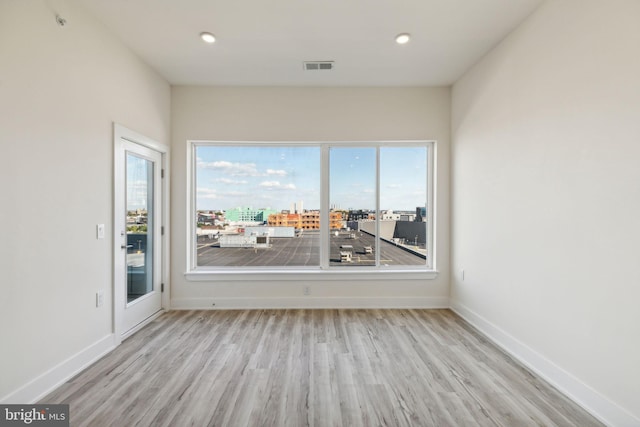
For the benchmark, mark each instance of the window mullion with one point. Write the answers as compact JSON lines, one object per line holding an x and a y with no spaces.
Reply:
{"x":377,"y":213}
{"x":324,"y":207}
{"x":431,"y":179}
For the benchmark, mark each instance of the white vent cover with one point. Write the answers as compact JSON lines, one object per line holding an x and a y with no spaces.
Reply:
{"x":318,"y":65}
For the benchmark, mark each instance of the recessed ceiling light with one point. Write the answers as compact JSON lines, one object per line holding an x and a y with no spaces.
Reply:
{"x":208,"y":37}
{"x":403,"y":38}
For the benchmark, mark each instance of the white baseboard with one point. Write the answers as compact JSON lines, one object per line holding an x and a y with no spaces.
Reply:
{"x":593,"y":402}
{"x":44,"y":384}
{"x":308,"y":302}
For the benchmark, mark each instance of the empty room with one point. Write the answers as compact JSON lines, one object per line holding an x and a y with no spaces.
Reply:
{"x":329,"y":213}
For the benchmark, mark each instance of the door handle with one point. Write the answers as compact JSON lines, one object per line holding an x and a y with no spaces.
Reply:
{"x":125,"y":246}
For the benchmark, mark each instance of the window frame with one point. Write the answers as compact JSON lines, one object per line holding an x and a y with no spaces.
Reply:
{"x":323,"y":270}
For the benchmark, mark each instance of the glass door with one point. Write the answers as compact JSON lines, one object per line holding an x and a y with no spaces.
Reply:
{"x":138,"y":272}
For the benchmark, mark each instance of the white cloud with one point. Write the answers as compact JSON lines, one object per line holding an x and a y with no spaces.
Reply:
{"x":234,"y":194}
{"x":232,"y":169}
{"x":205,"y":190}
{"x":235,"y":169}
{"x":231,"y":181}
{"x":278,"y":172}
{"x":277,"y":185}
{"x":206,"y":193}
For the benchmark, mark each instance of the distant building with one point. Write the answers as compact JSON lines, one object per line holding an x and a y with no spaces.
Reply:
{"x":310,"y":220}
{"x":206,"y":218}
{"x":390,"y":216}
{"x":357,"y":215}
{"x":285,"y":219}
{"x":336,"y":221}
{"x":243,"y":214}
{"x":306,"y":221}
{"x":297,"y":207}
{"x":421,"y":214}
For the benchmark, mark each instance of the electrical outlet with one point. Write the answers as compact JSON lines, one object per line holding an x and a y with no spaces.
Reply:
{"x":306,"y":290}
{"x":99,"y":298}
{"x":463,"y":274}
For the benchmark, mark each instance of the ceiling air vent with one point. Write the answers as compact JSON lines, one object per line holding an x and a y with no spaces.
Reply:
{"x":318,"y":65}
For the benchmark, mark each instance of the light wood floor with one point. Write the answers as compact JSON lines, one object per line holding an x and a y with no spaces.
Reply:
{"x":312,"y":367}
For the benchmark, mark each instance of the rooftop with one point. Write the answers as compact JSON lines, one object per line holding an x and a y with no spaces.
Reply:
{"x":305,"y":251}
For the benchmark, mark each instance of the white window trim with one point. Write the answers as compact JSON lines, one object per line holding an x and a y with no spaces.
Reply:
{"x":322,"y":272}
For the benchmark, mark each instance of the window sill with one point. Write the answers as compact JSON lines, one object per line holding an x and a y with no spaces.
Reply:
{"x":308,"y":275}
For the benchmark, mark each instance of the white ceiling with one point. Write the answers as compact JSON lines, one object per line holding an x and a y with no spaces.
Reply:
{"x":264,"y":42}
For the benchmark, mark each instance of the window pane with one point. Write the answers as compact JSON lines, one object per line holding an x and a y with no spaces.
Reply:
{"x":403,"y":195}
{"x":257,"y":206}
{"x":352,"y":195}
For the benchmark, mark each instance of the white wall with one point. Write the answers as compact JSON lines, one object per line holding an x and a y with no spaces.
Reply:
{"x":60,"y":91}
{"x":307,"y":114}
{"x":546,"y":195}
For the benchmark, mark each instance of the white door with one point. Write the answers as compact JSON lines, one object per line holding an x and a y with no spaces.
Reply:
{"x":138,"y":240}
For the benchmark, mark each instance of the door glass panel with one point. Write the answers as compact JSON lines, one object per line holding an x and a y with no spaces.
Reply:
{"x":140,"y":225}
{"x":352,"y":194}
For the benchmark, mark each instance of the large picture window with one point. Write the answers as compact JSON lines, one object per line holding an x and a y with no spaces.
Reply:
{"x":311,"y":206}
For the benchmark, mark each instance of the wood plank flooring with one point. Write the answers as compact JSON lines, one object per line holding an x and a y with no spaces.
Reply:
{"x":312,"y":368}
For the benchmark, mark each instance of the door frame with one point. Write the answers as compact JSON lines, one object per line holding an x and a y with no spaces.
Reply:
{"x":121,"y":133}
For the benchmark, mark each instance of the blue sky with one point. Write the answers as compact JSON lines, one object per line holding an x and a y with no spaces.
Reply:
{"x":276,"y":177}
{"x":137,"y":174}
{"x":258,"y":177}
